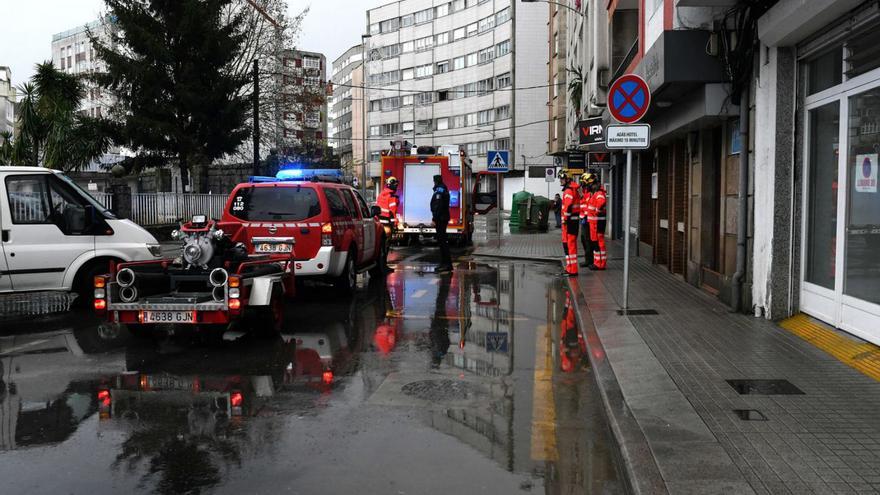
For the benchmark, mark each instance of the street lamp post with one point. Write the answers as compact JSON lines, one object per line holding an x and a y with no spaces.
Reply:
{"x":366,"y":124}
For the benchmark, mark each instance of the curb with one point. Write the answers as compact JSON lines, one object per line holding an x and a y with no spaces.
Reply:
{"x":640,"y":471}
{"x":514,"y":257}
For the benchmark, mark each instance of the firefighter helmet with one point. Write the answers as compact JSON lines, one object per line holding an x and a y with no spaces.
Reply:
{"x":391,"y":182}
{"x":564,"y":175}
{"x":588,"y":178}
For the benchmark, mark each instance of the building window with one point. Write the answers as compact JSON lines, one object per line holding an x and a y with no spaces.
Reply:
{"x":423,"y":127}
{"x":390,"y":51}
{"x":424,"y":16}
{"x":458,"y":34}
{"x":374,"y":130}
{"x":407,"y":20}
{"x":390,"y":25}
{"x":472,"y":29}
{"x":375,"y":105}
{"x":374,"y":28}
{"x":425,"y":43}
{"x":502,"y":144}
{"x":375,"y":156}
{"x":459,"y":121}
{"x":441,"y":10}
{"x":502,"y":113}
{"x":390,"y":129}
{"x":407,"y":100}
{"x":443,"y":124}
{"x":458,"y":63}
{"x":407,"y":74}
{"x":502,"y":16}
{"x":484,"y":87}
{"x":470,"y":119}
{"x":312,"y":62}
{"x":502,"y":48}
{"x":825,"y":71}
{"x":458,"y":5}
{"x":484,"y":117}
{"x":503,"y":80}
{"x":486,"y":24}
{"x":486,"y":55}
{"x":822,"y":195}
{"x":407,"y":126}
{"x":424,"y":98}
{"x":442,"y":67}
{"x":442,"y":38}
{"x":424,"y":71}
{"x":406,"y":46}
{"x":471,"y":59}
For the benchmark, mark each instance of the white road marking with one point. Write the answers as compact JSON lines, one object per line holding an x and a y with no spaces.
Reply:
{"x":419,"y":293}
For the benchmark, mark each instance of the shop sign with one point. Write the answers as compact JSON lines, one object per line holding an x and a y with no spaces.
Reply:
{"x":866,"y":173}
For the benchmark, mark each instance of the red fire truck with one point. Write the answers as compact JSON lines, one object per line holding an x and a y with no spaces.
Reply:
{"x":415,"y":169}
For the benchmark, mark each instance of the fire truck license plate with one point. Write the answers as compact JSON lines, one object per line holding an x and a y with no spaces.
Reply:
{"x":169,"y":316}
{"x":274,"y":247}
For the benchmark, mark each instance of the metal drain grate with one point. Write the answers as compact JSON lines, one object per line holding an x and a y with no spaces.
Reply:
{"x":764,"y":387}
{"x":750,"y":415}
{"x":637,"y":312}
{"x":440,"y":390}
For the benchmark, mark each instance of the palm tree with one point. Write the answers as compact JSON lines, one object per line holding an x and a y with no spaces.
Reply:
{"x":576,"y":89}
{"x":52,"y":132}
{"x":6,"y":148}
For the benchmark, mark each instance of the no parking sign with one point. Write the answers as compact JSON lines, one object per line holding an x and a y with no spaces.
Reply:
{"x":550,"y":174}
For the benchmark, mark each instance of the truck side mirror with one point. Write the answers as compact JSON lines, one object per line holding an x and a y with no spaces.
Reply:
{"x":375,"y":211}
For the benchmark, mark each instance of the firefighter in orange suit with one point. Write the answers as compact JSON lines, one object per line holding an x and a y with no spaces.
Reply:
{"x":596,"y":217}
{"x":387,"y":203}
{"x":572,"y":347}
{"x":586,"y":239}
{"x":571,"y":208}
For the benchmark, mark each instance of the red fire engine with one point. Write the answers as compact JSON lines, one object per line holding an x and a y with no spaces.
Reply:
{"x":415,"y":171}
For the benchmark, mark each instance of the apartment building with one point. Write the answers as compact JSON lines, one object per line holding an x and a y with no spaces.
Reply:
{"x":346,"y":131}
{"x":304,"y":103}
{"x":557,"y":77}
{"x":464,"y":72}
{"x":72,"y":52}
{"x":7,"y":101}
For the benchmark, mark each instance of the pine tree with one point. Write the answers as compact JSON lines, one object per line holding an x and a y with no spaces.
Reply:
{"x":167,"y":64}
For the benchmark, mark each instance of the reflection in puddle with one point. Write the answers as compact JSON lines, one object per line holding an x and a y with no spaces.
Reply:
{"x":490,"y":356}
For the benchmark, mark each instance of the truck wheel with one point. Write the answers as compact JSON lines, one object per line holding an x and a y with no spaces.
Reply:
{"x":346,"y":283}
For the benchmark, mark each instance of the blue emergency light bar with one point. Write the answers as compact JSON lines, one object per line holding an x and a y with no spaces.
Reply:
{"x":300,"y":174}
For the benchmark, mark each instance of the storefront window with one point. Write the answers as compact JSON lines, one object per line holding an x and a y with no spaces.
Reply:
{"x":825,"y":71}
{"x":862,"y":255}
{"x":822,"y":195}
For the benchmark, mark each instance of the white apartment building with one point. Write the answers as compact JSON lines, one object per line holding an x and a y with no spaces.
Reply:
{"x":465,"y":72}
{"x":7,"y":101}
{"x":72,"y":52}
{"x":346,"y":104}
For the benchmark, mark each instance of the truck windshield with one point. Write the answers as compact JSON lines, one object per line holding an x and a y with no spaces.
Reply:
{"x":275,"y":203}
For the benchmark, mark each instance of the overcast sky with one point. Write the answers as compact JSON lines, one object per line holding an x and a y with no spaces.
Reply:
{"x":331,"y":27}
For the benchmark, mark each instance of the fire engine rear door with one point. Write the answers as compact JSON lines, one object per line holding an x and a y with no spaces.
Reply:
{"x":418,"y":186}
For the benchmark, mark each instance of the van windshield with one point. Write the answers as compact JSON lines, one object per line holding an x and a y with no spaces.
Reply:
{"x":275,"y":203}
{"x":88,"y":197}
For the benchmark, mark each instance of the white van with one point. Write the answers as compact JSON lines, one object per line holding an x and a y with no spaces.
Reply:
{"x":54,"y":236}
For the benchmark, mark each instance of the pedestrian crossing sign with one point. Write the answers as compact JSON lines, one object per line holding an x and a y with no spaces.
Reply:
{"x":498,"y":161}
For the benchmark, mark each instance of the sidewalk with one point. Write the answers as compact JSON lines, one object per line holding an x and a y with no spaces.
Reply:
{"x":682,"y":427}
{"x":542,"y":247}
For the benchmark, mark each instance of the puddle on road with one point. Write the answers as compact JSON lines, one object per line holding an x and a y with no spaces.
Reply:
{"x":474,"y":381}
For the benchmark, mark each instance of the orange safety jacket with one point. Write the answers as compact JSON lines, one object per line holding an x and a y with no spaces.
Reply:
{"x":387,"y":203}
{"x":596,"y":206}
{"x":571,"y":204}
{"x":585,"y":202}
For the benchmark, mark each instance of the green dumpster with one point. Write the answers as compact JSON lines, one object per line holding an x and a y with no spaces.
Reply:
{"x":518,"y":215}
{"x":539,"y":213}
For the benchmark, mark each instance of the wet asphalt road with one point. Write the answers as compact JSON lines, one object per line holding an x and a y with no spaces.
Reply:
{"x":474,"y":382}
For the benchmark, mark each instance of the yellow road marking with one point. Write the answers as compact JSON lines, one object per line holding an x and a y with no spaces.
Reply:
{"x":863,"y":357}
{"x":543,"y":405}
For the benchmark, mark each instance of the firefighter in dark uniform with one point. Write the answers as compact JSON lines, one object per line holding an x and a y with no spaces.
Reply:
{"x":586,"y":240}
{"x":440,"y":214}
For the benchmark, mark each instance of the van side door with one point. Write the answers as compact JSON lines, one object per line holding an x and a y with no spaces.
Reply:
{"x":50,"y":230}
{"x":5,"y":227}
